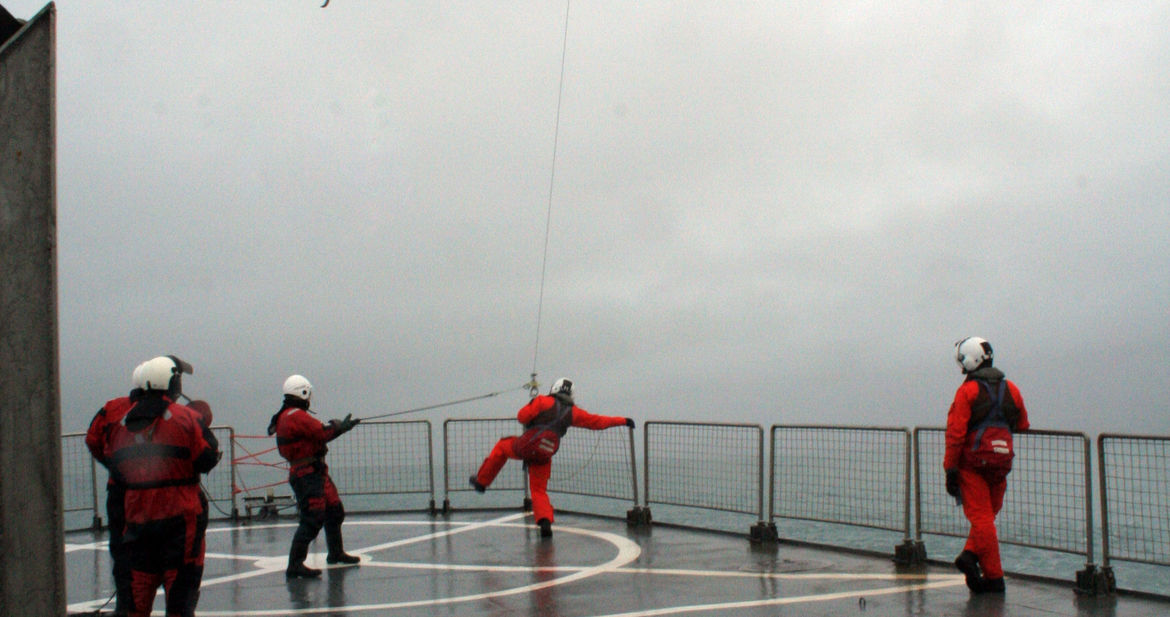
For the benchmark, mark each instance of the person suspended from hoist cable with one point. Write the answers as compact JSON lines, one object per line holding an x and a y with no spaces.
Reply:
{"x":546,"y":419}
{"x":301,"y":439}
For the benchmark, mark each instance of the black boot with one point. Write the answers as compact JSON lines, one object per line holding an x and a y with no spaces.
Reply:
{"x":479,"y":488}
{"x":296,"y":563}
{"x":545,"y":527}
{"x":989,"y":585}
{"x":343,"y":558}
{"x":300,"y":570}
{"x":968,"y":563}
{"x":337,"y":552}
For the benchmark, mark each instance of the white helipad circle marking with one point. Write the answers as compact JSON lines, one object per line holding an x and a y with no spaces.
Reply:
{"x":627,"y":552}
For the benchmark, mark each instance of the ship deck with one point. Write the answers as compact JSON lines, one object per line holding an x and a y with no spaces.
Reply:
{"x":479,"y":563}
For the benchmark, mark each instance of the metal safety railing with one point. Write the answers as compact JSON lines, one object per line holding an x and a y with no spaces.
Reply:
{"x":79,"y":478}
{"x":880,"y":478}
{"x":705,"y":465}
{"x":1048,"y":503}
{"x":856,"y":476}
{"x":466,"y":442}
{"x":385,"y":466}
{"x":1135,"y":498}
{"x":596,"y":464}
{"x":384,"y":458}
{"x":218,"y":485}
{"x":588,"y":463}
{"x":84,"y":480}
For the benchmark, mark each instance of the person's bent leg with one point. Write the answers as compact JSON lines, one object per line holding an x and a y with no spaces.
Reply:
{"x":494,"y":462}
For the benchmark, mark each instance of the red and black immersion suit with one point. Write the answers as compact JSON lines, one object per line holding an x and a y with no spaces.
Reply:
{"x":542,"y":415}
{"x":982,"y":491}
{"x":301,"y":439}
{"x":96,"y":439}
{"x":157,"y":452}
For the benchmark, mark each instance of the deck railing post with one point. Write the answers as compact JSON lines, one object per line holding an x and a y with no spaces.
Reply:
{"x":764,"y":531}
{"x":638,"y":516}
{"x":446,"y":468}
{"x":912,"y":551}
{"x":1095,"y":581}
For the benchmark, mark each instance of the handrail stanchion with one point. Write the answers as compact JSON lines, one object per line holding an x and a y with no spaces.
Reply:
{"x":640,"y":514}
{"x":431,"y":466}
{"x":760,"y":479}
{"x":917,"y":486}
{"x":911,"y":551}
{"x":764,"y":532}
{"x":446,"y":468}
{"x":1088,"y":505}
{"x":1104,"y":501}
{"x":633,"y":468}
{"x":646,"y":463}
{"x":232,"y":488}
{"x":906,"y":493}
{"x":1092,"y":580}
{"x":772,"y":477}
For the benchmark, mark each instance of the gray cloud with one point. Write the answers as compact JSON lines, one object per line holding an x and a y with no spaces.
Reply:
{"x":764,"y":214}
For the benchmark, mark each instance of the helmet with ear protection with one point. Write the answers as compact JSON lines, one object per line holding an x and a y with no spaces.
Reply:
{"x":163,"y":373}
{"x":298,"y":386}
{"x":972,"y":353}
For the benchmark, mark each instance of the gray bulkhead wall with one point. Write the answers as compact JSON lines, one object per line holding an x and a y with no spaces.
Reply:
{"x":32,"y":540}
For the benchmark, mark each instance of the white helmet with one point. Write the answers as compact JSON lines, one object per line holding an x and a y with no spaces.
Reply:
{"x":972,"y":352}
{"x":562,"y":386}
{"x":299,"y":387}
{"x":163,"y":373}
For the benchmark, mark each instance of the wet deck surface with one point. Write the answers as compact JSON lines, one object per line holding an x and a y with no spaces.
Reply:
{"x":493,"y":563}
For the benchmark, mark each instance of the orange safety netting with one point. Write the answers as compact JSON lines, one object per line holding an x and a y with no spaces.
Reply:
{"x":254,"y":459}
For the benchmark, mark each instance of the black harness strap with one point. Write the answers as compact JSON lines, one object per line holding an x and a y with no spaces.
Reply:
{"x":162,"y":483}
{"x":995,"y":416}
{"x":558,"y":419}
{"x":150,"y":450}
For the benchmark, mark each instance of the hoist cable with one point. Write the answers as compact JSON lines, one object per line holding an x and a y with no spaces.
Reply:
{"x":551,"y":184}
{"x":447,"y":404}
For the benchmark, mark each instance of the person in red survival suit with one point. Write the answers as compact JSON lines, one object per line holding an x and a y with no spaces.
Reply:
{"x":546,"y":419}
{"x":986,"y":410}
{"x":96,"y":439}
{"x":157,"y":452}
{"x":301,"y":439}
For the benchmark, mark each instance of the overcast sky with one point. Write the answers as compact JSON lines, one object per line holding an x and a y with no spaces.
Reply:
{"x":764,"y":212}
